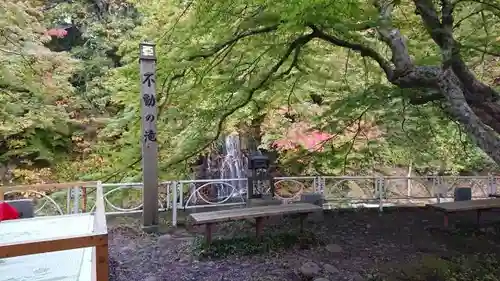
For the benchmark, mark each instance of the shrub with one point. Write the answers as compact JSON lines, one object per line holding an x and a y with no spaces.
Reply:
{"x":221,"y":248}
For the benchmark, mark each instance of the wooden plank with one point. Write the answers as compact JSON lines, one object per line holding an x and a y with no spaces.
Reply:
{"x":457,"y":206}
{"x":93,"y":274}
{"x":27,"y":220}
{"x":238,"y":214}
{"x":69,"y":265}
{"x":96,"y":237}
{"x":255,"y":211}
{"x":58,"y":265}
{"x":51,"y":245}
{"x":101,"y":255}
{"x":101,"y":260}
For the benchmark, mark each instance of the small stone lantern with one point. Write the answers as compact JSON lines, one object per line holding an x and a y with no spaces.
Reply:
{"x":259,"y":165}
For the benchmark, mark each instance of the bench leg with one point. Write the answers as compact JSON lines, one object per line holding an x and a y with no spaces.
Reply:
{"x":259,"y":224}
{"x":102,"y":262}
{"x":208,"y":233}
{"x":445,"y":222}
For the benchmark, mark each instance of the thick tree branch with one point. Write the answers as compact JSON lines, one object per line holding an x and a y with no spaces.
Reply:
{"x":442,"y":34}
{"x":233,"y":40}
{"x":297,"y":43}
{"x":293,"y":64}
{"x":363,"y":50}
{"x":480,"y":97}
{"x":393,"y":38}
{"x":470,"y":101}
{"x":403,"y":74}
{"x":484,"y":137}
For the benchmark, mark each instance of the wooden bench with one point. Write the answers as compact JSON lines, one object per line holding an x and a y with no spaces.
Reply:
{"x":259,"y":213}
{"x":461,"y":206}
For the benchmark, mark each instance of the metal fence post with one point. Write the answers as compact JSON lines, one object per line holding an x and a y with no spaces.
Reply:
{"x":436,"y":182}
{"x":76,"y":200}
{"x":381,"y":187}
{"x":174,"y":203}
{"x":315,"y":184}
{"x":168,"y":191}
{"x":181,"y":194}
{"x":318,"y":184}
{"x":68,"y":201}
{"x":408,"y":186}
{"x":322,"y":184}
{"x":492,"y":185}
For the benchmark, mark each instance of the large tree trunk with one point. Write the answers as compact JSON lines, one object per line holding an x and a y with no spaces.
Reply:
{"x":474,"y":104}
{"x":476,"y":111}
{"x":486,"y":138}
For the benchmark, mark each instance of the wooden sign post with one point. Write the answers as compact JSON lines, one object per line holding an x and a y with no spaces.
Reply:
{"x":147,"y":61}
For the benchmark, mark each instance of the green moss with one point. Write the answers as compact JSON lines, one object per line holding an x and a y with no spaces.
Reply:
{"x":221,"y":248}
{"x":479,"y":267}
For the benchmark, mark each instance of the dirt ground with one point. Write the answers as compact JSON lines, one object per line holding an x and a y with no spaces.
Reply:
{"x":355,"y":243}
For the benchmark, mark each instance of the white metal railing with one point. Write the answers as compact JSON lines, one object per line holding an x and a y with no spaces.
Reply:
{"x":338,"y":191}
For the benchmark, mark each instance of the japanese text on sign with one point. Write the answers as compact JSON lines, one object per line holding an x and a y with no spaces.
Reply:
{"x":149,"y":100}
{"x":149,"y":135}
{"x":149,"y":79}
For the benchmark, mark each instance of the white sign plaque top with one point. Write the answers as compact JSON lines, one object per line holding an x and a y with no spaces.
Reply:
{"x":147,"y":51}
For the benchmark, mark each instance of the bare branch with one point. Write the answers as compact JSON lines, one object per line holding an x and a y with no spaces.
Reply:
{"x":393,"y":38}
{"x":459,"y":22}
{"x":293,"y":64}
{"x":363,"y":50}
{"x":169,"y":31}
{"x":297,"y":43}
{"x":10,"y":52}
{"x":292,"y":92}
{"x":352,"y":142}
{"x":487,"y":3}
{"x":233,"y":40}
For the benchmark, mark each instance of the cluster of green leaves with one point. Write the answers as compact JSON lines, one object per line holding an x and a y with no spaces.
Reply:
{"x":37,"y":105}
{"x":95,"y":39}
{"x":210,"y":84}
{"x":95,"y":33}
{"x":52,"y":87}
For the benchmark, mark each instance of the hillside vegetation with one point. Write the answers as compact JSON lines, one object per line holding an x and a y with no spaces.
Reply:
{"x":382,"y":84}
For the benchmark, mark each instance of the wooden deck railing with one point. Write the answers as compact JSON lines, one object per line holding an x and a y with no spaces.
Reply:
{"x":98,"y":239}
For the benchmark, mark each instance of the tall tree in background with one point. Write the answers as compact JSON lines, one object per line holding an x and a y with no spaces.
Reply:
{"x":95,"y":30}
{"x":388,"y":82}
{"x":226,"y":62}
{"x":36,"y":96}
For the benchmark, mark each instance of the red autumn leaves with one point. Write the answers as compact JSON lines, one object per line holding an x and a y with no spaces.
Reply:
{"x":56,"y":32}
